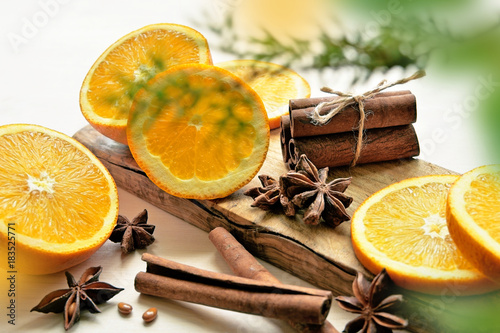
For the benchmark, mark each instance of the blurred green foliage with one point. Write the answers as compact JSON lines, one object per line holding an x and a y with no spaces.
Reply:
{"x":461,"y":36}
{"x":406,"y":6}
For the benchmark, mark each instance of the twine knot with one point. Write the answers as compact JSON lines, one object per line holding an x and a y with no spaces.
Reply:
{"x":346,"y":99}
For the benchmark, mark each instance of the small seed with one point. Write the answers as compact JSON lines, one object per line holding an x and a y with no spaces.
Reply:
{"x":150,"y":315}
{"x":124,"y":308}
{"x":71,"y":309}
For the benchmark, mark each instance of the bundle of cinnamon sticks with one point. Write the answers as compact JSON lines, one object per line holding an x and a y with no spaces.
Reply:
{"x":388,"y":131}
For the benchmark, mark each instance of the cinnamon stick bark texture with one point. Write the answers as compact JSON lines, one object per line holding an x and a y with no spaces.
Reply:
{"x":386,"y":109}
{"x":285,"y":136}
{"x":380,"y":144}
{"x":301,"y":103}
{"x":165,"y":278}
{"x":241,"y":262}
{"x":245,"y":265}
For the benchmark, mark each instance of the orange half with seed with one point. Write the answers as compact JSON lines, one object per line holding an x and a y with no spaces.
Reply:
{"x":58,"y":203}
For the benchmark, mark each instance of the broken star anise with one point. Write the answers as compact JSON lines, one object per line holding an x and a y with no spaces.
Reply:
{"x":133,"y":235}
{"x":268,"y":195}
{"x":82,"y":295}
{"x":374,"y":303}
{"x":306,"y":187}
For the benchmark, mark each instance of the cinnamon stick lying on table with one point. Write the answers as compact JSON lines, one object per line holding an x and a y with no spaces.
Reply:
{"x":165,"y":278}
{"x":386,"y":109}
{"x":245,"y":265}
{"x":379,"y":144}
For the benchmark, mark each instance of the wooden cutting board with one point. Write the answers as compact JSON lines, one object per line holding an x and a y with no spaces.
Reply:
{"x":318,"y":254}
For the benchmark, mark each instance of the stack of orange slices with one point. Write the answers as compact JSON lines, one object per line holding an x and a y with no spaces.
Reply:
{"x":197,"y":130}
{"x":434,"y":233}
{"x":128,"y":64}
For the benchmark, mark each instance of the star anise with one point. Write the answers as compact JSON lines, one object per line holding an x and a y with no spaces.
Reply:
{"x":374,"y":303}
{"x":133,"y":235}
{"x":268,"y":195}
{"x":82,"y":295}
{"x":306,"y":187}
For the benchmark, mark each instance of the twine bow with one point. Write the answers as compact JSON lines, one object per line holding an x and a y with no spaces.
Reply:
{"x":347,"y":99}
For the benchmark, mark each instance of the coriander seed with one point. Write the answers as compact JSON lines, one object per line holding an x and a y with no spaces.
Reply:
{"x":150,"y":315}
{"x":124,"y":308}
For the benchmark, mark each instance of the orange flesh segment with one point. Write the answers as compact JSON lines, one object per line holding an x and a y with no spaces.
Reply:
{"x":275,"y":84}
{"x":260,"y":81}
{"x":205,"y":133}
{"x":482,"y":200}
{"x":424,"y":240}
{"x":35,"y":173}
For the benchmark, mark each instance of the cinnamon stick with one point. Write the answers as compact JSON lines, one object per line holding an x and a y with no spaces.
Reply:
{"x":245,"y":265}
{"x":285,"y":136}
{"x":380,"y":144}
{"x":238,"y":258}
{"x":386,"y":109}
{"x":165,"y":278}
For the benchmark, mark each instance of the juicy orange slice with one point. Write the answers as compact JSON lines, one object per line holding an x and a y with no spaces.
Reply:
{"x":274,"y":83}
{"x":198,"y":131}
{"x":125,"y":67}
{"x":403,"y":228}
{"x":58,"y":203}
{"x":473,"y":214}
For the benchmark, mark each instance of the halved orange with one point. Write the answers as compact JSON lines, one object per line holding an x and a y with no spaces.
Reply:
{"x":403,"y":228}
{"x":58,"y":203}
{"x":125,"y":67}
{"x":473,"y":214}
{"x":198,"y":131}
{"x":275,"y":84}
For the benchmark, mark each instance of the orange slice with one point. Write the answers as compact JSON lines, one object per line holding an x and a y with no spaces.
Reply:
{"x":125,"y":67}
{"x":274,"y":83}
{"x":403,"y":228}
{"x":58,"y":203}
{"x":473,"y":214}
{"x":198,"y":131}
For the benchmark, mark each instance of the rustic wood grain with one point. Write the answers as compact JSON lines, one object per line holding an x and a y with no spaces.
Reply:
{"x":318,"y":254}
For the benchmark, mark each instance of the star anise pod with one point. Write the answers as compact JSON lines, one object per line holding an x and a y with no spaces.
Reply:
{"x":306,"y":187}
{"x":133,"y":235}
{"x":267,"y":196}
{"x":374,"y":303}
{"x":82,"y":295}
